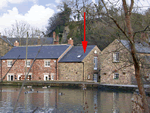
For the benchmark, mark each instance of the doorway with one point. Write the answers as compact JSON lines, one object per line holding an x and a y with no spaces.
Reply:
{"x":46,"y":77}
{"x":10,"y":77}
{"x":95,"y":77}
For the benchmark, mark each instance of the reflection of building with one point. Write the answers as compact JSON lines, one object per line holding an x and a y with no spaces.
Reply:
{"x":28,"y":102}
{"x":9,"y":101}
{"x":95,"y":101}
{"x":115,"y":100}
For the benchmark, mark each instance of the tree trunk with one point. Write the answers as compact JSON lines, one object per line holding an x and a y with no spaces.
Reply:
{"x":134,"y":57}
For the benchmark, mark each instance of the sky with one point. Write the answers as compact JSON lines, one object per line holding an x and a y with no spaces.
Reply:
{"x":35,"y":12}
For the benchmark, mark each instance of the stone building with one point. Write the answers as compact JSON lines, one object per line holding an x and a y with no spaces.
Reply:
{"x":79,"y":66}
{"x":117,"y":65}
{"x":54,"y":62}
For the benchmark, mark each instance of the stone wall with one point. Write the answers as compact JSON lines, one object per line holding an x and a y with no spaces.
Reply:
{"x":38,"y":70}
{"x":74,"y":71}
{"x":70,"y":71}
{"x":89,"y":64}
{"x":124,"y":67}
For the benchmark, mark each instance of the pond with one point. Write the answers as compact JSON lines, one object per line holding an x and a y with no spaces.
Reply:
{"x":64,"y":100}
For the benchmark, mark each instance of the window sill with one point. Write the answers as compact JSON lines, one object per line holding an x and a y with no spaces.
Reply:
{"x":8,"y":66}
{"x":46,"y":66}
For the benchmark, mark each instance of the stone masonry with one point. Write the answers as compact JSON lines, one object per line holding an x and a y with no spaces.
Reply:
{"x":82,"y":70}
{"x":124,"y":67}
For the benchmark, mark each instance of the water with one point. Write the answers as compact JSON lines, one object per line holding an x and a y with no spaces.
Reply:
{"x":64,"y":100}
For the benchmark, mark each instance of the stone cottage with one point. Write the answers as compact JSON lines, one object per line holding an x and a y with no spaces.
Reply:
{"x":76,"y":65}
{"x":116,"y":62}
{"x":53,"y":62}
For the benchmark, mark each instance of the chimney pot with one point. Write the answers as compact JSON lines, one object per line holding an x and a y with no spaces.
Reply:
{"x":16,"y":43}
{"x":57,"y":40}
{"x":70,"y":41}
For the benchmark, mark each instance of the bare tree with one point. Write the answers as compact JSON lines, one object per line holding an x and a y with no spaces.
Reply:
{"x":129,"y":34}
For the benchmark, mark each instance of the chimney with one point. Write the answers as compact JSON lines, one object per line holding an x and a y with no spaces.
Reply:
{"x":0,"y":34}
{"x":16,"y":43}
{"x":70,"y":41}
{"x":39,"y":40}
{"x":57,"y":40}
{"x":54,"y":35}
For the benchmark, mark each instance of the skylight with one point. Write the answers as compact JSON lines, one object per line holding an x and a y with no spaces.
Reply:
{"x":78,"y":56}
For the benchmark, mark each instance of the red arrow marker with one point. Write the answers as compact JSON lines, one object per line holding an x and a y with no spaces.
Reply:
{"x":84,"y":43}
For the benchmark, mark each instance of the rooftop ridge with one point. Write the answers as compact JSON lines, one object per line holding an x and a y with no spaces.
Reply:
{"x":44,"y":45}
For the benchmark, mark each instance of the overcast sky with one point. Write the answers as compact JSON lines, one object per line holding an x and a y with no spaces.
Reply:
{"x":35,"y":12}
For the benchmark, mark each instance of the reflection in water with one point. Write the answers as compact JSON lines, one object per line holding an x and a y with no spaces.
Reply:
{"x":72,"y":101}
{"x":95,"y":102}
{"x":115,"y":100}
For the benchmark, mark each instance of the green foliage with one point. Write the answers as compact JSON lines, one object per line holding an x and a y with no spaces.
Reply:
{"x":100,"y":29}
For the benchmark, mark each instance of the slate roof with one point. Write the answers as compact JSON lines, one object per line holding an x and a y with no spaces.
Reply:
{"x":32,"y":41}
{"x":140,"y":47}
{"x":72,"y":55}
{"x":47,"y":52}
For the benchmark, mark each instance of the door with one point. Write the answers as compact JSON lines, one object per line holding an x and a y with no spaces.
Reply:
{"x":19,"y":77}
{"x":12,"y":77}
{"x":46,"y":77}
{"x":29,"y":77}
{"x":95,"y":77}
{"x":52,"y":77}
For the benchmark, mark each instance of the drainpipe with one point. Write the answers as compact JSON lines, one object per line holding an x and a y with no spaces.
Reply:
{"x":56,"y":69}
{"x":83,"y":70}
{"x":1,"y":70}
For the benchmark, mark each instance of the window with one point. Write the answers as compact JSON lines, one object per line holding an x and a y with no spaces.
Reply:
{"x":88,"y":77}
{"x":116,"y":76}
{"x":28,"y":63}
{"x":47,"y":63}
{"x":116,"y":57}
{"x":95,"y":63}
{"x":9,"y":63}
{"x":148,"y":76}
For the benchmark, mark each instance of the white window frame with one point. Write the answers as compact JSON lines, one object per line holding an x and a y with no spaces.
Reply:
{"x":27,"y":63}
{"x":52,"y":77}
{"x":115,"y":76}
{"x":9,"y":64}
{"x":45,"y":63}
{"x":95,"y":63}
{"x":116,"y":57}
